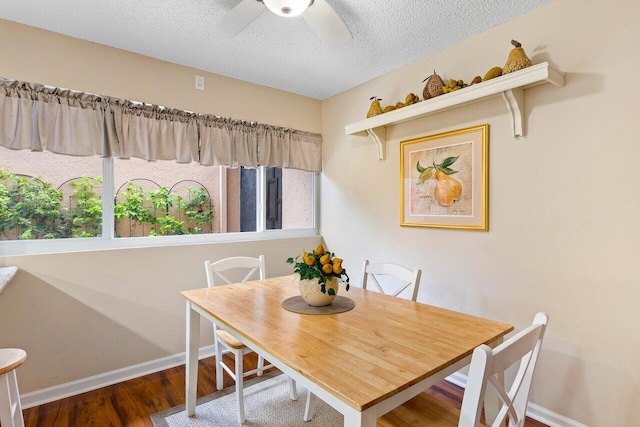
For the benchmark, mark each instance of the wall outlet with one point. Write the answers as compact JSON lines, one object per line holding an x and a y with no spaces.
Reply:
{"x":199,"y":82}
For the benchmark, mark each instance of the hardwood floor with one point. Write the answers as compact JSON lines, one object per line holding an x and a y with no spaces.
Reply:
{"x":131,"y":403}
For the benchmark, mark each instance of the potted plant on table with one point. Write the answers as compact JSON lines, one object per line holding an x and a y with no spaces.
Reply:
{"x":318,"y":273}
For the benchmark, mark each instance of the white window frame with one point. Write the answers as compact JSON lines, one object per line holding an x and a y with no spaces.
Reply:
{"x":109,"y":241}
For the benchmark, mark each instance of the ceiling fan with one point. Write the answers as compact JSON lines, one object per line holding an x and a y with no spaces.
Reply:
{"x":321,"y":17}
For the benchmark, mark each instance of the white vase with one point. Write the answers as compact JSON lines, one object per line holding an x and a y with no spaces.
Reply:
{"x":311,"y":293}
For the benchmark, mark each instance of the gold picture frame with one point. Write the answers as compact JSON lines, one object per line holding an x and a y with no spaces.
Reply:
{"x":444,"y":180}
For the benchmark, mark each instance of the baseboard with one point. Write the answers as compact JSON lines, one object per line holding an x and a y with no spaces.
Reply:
{"x":536,"y":412}
{"x":50,"y":394}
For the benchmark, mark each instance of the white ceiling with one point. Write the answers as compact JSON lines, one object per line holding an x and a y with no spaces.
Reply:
{"x":273,"y":51}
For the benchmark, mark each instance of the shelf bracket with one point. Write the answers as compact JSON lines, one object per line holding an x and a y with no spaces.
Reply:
{"x":379,"y":136}
{"x":514,"y":98}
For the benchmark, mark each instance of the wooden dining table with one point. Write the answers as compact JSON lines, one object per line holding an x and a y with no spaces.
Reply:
{"x":363,"y":362}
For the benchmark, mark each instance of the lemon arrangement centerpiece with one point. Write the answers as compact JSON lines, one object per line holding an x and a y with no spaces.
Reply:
{"x":319,"y":272}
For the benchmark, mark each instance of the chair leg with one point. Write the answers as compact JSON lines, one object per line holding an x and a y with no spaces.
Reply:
{"x":293,"y":391}
{"x":219,"y":370}
{"x":10,"y":409}
{"x":239,"y":386}
{"x":310,"y":407}
{"x":260,"y":365}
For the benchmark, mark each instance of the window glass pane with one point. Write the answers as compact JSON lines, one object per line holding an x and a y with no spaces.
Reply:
{"x":165,"y":198}
{"x":49,"y":196}
{"x":297,"y":199}
{"x":241,"y":200}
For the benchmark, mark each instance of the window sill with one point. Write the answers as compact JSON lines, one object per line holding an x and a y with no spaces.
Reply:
{"x":39,"y":247}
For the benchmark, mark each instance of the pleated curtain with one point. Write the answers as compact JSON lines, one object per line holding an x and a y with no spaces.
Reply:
{"x":62,"y":121}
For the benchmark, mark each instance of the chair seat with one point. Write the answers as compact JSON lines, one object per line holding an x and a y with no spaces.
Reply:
{"x":11,"y":358}
{"x":422,"y":410}
{"x":229,"y":340}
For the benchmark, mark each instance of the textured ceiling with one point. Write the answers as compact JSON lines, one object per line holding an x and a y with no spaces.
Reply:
{"x":273,"y":51}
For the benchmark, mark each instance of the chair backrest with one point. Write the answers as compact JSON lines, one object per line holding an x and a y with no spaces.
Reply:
{"x":410,"y":279}
{"x":487,"y":364}
{"x":215,"y":270}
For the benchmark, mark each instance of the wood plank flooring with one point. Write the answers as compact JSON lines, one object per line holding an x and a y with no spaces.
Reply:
{"x":131,"y":403}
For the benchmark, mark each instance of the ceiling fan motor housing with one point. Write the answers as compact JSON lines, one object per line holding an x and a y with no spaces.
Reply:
{"x":287,"y":8}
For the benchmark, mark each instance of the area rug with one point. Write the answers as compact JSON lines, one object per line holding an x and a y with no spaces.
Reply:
{"x":266,"y":403}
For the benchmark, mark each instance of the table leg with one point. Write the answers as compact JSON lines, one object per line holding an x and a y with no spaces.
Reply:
{"x":193,"y":346}
{"x":354,"y":418}
{"x":310,"y":406}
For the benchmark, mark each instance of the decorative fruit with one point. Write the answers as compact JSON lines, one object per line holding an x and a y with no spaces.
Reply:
{"x":448,"y":190}
{"x":478,"y":79}
{"x":453,"y":85}
{"x":375,"y":108}
{"x":411,"y":99}
{"x":492,"y":73}
{"x":319,"y":250}
{"x":325,"y":259}
{"x":310,"y":260}
{"x":517,"y":59}
{"x":337,"y":268}
{"x":389,"y":108}
{"x":433,"y":87}
{"x":327,"y":269}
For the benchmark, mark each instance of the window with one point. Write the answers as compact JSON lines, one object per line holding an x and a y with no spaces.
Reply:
{"x":44,"y":196}
{"x":95,"y":202}
{"x":288,"y":199}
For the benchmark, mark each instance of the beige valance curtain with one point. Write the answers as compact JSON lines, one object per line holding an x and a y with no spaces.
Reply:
{"x":38,"y":117}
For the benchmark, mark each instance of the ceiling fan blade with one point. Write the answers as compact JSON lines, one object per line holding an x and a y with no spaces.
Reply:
{"x":326,"y":23}
{"x":238,"y":18}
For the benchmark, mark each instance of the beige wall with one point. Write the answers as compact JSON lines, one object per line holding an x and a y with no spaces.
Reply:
{"x":82,"y":314}
{"x":564,"y":201}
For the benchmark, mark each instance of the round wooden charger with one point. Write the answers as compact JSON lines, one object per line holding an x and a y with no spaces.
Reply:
{"x":339,"y":305}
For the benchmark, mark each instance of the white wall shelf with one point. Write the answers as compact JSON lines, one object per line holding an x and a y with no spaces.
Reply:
{"x":510,"y":86}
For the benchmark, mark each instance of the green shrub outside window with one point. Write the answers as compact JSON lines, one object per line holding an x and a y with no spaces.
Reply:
{"x":33,"y":209}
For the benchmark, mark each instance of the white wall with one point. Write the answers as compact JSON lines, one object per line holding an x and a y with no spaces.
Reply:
{"x":564,"y":201}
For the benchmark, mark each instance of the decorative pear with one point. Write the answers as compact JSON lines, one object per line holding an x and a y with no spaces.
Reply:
{"x":433,"y":87}
{"x":375,"y":108}
{"x":448,"y":190}
{"x":492,"y":73}
{"x":517,"y":59}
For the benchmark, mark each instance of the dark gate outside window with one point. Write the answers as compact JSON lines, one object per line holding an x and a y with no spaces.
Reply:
{"x":274,"y":199}
{"x":273,"y":202}
{"x":247,"y":199}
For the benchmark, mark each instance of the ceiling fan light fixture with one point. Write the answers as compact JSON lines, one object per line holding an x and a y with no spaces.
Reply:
{"x":287,"y":8}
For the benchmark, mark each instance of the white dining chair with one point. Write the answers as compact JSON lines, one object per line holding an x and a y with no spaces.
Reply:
{"x":224,"y":342}
{"x":486,"y":366}
{"x":403,"y":278}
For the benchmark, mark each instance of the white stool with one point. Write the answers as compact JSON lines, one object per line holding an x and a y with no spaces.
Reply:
{"x":10,"y":409}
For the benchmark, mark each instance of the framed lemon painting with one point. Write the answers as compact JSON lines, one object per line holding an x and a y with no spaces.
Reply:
{"x":444,"y":180}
